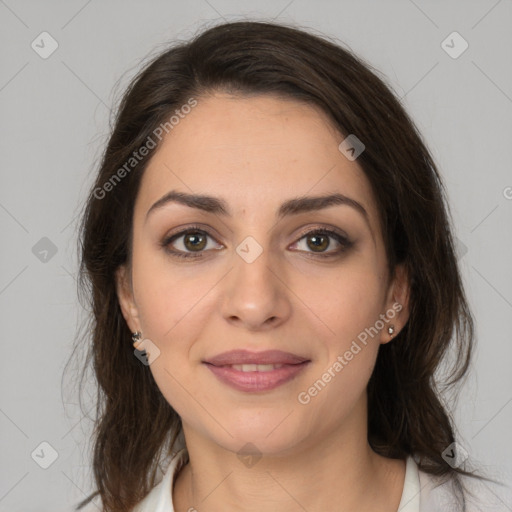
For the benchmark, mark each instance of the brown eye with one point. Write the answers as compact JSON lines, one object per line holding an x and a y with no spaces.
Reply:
{"x":185,"y":243}
{"x":319,"y":240}
{"x":194,"y":241}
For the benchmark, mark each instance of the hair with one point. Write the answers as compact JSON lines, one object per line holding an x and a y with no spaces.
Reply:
{"x":135,"y":426}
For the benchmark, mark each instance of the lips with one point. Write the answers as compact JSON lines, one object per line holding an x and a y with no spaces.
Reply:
{"x":256,"y":371}
{"x":245,"y":357}
{"x":257,"y":381}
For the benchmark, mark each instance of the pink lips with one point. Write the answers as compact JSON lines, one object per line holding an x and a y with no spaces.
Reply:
{"x":221,"y":367}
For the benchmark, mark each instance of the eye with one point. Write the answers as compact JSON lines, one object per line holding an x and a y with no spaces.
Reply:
{"x":193,"y":242}
{"x":319,"y":241}
{"x":187,"y":242}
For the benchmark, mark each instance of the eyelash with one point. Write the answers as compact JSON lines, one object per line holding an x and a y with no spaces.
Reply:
{"x":344,"y":242}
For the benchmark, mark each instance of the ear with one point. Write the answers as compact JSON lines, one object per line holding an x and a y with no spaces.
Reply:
{"x":125,"y":296}
{"x":397,"y":304}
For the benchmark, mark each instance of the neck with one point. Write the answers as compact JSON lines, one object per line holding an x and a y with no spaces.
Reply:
{"x":333,"y":473}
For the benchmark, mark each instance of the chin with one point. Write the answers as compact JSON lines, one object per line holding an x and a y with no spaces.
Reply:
{"x":265,"y":438}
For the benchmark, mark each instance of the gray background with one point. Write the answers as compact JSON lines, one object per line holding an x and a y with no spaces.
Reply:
{"x":54,"y":121}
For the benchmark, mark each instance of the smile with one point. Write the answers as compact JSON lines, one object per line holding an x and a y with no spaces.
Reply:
{"x":257,"y":377}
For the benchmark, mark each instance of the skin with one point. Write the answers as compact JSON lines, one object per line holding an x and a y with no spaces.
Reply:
{"x":255,"y":153}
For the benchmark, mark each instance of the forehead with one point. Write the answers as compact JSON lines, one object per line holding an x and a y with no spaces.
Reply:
{"x":255,"y":152}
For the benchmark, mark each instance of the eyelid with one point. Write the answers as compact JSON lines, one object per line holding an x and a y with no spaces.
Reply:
{"x":183,"y":230}
{"x":324,"y":228}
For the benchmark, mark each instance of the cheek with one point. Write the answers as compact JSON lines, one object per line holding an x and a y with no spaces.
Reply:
{"x":173,"y":307}
{"x":356,"y":297}
{"x":168,"y":296}
{"x":349,"y":351}
{"x":347,"y":300}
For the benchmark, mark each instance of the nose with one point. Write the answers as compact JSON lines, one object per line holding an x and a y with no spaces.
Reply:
{"x":255,"y":295}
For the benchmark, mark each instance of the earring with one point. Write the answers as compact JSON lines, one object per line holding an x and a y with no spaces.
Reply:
{"x":391,"y":330}
{"x":136,"y":337}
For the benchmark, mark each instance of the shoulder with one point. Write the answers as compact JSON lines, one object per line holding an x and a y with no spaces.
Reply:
{"x":440,"y":494}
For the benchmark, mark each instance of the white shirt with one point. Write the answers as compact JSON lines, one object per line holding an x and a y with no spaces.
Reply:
{"x":421,"y":492}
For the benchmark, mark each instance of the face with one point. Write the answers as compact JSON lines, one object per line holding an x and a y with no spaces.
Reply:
{"x":305,"y":278}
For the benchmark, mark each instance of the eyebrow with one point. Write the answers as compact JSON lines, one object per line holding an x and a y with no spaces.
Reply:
{"x":292,"y":206}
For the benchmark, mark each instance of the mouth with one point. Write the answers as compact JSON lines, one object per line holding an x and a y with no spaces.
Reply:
{"x":262,"y":359}
{"x":256,"y":377}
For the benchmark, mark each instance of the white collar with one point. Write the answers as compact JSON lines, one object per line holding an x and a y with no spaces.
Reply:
{"x":410,"y":501}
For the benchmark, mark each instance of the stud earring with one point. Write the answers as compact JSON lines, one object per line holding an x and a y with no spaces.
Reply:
{"x":391,"y":330}
{"x":136,"y":337}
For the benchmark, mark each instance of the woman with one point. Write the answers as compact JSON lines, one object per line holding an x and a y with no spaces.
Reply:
{"x":270,"y":231}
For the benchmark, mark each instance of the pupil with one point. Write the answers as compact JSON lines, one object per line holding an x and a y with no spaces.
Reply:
{"x":194,"y":238}
{"x":316,"y":238}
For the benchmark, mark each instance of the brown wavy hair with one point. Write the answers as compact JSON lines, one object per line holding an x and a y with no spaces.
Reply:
{"x":135,"y":428}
